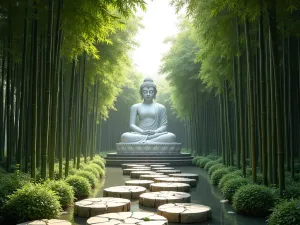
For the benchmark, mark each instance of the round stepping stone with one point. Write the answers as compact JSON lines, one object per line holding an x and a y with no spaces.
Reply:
{"x":141,"y":167}
{"x":185,"y":175}
{"x":128,"y":165}
{"x":191,"y":182}
{"x":128,"y":218}
{"x":157,"y":165}
{"x":142,"y":183}
{"x":182,"y":187}
{"x":137,"y":174}
{"x":155,"y":199}
{"x":152,"y":176}
{"x":95,"y":206}
{"x":185,"y":212}
{"x":128,"y":192}
{"x":167,"y":172}
{"x":46,"y":222}
{"x":162,"y":168}
{"x":128,"y":171}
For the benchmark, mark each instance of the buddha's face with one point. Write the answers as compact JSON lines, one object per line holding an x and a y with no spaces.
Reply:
{"x":148,"y":93}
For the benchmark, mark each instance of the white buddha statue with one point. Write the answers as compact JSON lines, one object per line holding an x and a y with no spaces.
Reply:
{"x":152,"y":127}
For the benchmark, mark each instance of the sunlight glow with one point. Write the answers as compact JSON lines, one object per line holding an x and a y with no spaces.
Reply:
{"x":160,"y":22}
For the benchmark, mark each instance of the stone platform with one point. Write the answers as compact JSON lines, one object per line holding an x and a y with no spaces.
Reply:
{"x":148,"y":148}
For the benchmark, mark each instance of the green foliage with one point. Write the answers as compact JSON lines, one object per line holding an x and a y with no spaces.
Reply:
{"x":99,"y":162}
{"x":220,"y":160}
{"x":89,"y":176}
{"x":231,"y":186}
{"x":214,"y":168}
{"x":91,"y":168}
{"x":9,"y":183}
{"x":254,"y":200}
{"x":80,"y":185}
{"x":202,"y":162}
{"x":286,"y":212}
{"x":229,"y":176}
{"x":210,"y":164}
{"x":292,"y":190}
{"x":259,"y":178}
{"x":33,"y":201}
{"x":98,"y":168}
{"x":196,"y":159}
{"x":63,"y":190}
{"x":212,"y":157}
{"x":217,"y":175}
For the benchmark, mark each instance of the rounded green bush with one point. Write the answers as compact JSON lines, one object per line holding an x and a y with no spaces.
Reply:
{"x":202,"y":162}
{"x":254,"y":200}
{"x":99,"y":162}
{"x":98,"y":168}
{"x":195,"y":159}
{"x":286,"y":212}
{"x":33,"y":201}
{"x":214,"y":168}
{"x":210,"y":164}
{"x":217,"y":175}
{"x":91,"y":168}
{"x":88,"y":175}
{"x":259,"y":178}
{"x":80,"y":185}
{"x":100,"y":158}
{"x":220,"y":160}
{"x":229,"y":176}
{"x":292,"y":191}
{"x":231,"y":186}
{"x":63,"y":190}
{"x":212,"y":157}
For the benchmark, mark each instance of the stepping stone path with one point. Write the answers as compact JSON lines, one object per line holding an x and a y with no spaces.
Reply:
{"x":167,"y":172}
{"x":140,"y":167}
{"x":126,"y":165}
{"x":128,"y":171}
{"x":46,"y":222}
{"x":191,"y":182}
{"x":142,"y":183}
{"x":170,"y":187}
{"x":152,"y":176}
{"x":129,"y":218}
{"x":128,"y":192}
{"x":162,"y":168}
{"x":185,"y":212}
{"x":157,"y":165}
{"x":137,"y":174}
{"x":155,"y":199}
{"x":185,"y":175}
{"x":95,"y":206}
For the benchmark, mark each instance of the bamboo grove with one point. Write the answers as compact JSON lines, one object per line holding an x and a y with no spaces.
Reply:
{"x":235,"y":74}
{"x":62,"y":64}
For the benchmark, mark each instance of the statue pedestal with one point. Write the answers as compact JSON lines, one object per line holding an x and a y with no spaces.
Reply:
{"x":149,"y":153}
{"x":149,"y":148}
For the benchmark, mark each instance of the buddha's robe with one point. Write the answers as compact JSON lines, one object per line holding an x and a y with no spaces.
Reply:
{"x":151,"y":123}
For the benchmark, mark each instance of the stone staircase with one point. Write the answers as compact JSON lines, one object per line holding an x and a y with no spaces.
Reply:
{"x":117,"y":159}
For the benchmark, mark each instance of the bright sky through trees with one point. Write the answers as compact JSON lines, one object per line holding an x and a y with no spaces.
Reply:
{"x":159,"y":22}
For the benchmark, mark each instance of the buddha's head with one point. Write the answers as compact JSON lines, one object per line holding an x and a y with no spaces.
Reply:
{"x":148,"y":89}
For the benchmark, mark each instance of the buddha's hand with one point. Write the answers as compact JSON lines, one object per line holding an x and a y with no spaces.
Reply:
{"x":148,"y":132}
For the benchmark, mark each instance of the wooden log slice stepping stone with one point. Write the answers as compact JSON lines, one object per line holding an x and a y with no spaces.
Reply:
{"x":128,"y":218}
{"x":167,"y":172}
{"x":191,"y":182}
{"x":142,"y":183}
{"x":137,"y":174}
{"x":95,"y":206}
{"x":47,"y":222}
{"x":162,"y":168}
{"x":185,"y":212}
{"x":152,"y":176}
{"x":128,"y":192}
{"x":182,"y":187}
{"x":127,"y":165}
{"x":157,"y":165}
{"x":129,"y":170}
{"x":185,"y":175}
{"x":155,"y":199}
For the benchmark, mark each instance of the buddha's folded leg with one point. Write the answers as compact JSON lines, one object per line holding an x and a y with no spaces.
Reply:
{"x":132,"y":137}
{"x":165,"y":137}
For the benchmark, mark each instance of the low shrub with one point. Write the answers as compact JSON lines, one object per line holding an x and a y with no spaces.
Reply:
{"x":214,"y":168}
{"x":63,"y":190}
{"x":33,"y":201}
{"x":212,"y":157}
{"x":254,"y":200}
{"x":195,"y":159}
{"x":89,"y":176}
{"x":98,"y":168}
{"x":80,"y":185}
{"x":220,"y":160}
{"x":91,"y":168}
{"x":99,"y":162}
{"x":231,"y":186}
{"x":217,"y":175}
{"x":202,"y":162}
{"x":286,"y":212}
{"x":229,"y":176}
{"x":210,"y":164}
{"x":259,"y":179}
{"x":292,"y":190}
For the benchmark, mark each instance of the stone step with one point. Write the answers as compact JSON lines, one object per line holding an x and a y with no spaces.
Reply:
{"x":173,"y":162}
{"x":115,"y":154}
